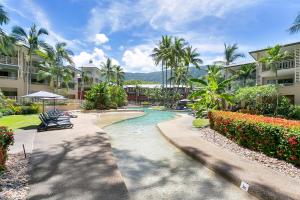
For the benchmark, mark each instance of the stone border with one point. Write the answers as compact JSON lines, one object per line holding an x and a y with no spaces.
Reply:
{"x":256,"y":189}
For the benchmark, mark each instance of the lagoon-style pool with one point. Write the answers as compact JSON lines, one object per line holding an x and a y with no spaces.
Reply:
{"x":154,"y":169}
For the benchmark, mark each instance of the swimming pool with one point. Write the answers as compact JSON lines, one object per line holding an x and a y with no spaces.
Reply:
{"x":154,"y":169}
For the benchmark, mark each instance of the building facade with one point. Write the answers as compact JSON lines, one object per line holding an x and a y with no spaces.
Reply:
{"x":13,"y":76}
{"x":288,"y":71}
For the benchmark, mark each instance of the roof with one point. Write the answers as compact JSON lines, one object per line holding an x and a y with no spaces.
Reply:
{"x":151,"y":86}
{"x":285,"y":45}
{"x":240,"y":64}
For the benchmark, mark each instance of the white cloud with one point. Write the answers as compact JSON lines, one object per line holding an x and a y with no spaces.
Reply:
{"x":138,"y":59}
{"x":101,"y":38}
{"x":97,"y":56}
{"x":169,"y":15}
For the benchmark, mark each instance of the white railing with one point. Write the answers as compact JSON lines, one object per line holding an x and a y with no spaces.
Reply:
{"x":9,"y":77}
{"x":8,"y":60}
{"x":286,"y":64}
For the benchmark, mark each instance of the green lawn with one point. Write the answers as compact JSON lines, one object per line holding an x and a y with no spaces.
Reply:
{"x":20,"y":121}
{"x":199,"y":123}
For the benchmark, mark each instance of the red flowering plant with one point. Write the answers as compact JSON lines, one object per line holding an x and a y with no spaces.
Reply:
{"x":274,"y":137}
{"x":6,"y":139}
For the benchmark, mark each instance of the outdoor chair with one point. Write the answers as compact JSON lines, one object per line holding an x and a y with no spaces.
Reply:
{"x":47,"y":123}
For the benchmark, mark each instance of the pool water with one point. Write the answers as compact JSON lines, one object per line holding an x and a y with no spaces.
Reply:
{"x":154,"y":169}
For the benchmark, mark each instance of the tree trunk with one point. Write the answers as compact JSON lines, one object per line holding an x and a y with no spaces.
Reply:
{"x":29,"y":74}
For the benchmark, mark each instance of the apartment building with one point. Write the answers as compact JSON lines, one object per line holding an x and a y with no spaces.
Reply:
{"x":90,"y":75}
{"x":288,"y":71}
{"x":13,"y":73}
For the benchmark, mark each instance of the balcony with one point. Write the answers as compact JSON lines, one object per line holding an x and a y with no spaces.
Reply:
{"x":7,"y":60}
{"x":9,"y":77}
{"x":286,"y":64}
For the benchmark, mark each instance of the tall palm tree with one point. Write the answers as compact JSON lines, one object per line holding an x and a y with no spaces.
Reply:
{"x":274,"y":55}
{"x":231,"y":54}
{"x":119,"y":74}
{"x":52,"y":66}
{"x":6,"y":42}
{"x":32,"y":40}
{"x":245,"y":72}
{"x":295,"y":28}
{"x":107,"y":70}
{"x":191,"y":57}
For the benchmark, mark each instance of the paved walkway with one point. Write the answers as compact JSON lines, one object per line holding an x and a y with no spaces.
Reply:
{"x":75,"y":164}
{"x":264,"y":182}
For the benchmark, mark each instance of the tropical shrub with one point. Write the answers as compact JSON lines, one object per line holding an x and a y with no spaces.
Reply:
{"x":6,"y":111}
{"x":99,"y":95}
{"x":6,"y":139}
{"x":275,"y":137}
{"x":105,"y":96}
{"x":118,"y":96}
{"x":87,"y":105}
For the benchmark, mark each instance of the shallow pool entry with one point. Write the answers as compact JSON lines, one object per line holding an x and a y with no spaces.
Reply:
{"x":155,"y":169}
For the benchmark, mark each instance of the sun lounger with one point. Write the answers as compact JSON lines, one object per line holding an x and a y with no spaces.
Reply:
{"x":47,"y":123}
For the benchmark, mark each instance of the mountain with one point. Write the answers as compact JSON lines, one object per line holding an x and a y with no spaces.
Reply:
{"x":156,"y":76}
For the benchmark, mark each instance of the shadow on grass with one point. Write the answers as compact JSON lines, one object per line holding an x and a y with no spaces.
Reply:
{"x":30,"y":127}
{"x":79,"y":169}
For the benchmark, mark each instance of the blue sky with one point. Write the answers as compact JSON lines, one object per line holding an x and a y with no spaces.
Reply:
{"x":128,"y":30}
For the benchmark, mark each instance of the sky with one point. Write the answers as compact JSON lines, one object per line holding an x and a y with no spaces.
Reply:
{"x":128,"y":30}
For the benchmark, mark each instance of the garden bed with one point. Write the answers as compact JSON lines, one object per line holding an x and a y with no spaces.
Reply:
{"x":14,"y":181}
{"x":273,"y":163}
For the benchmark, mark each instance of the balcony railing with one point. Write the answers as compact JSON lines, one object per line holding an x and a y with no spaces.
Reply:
{"x":286,"y":64}
{"x":7,"y":60}
{"x":9,"y":77}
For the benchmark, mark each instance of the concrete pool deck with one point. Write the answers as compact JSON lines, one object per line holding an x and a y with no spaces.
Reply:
{"x":77,"y":163}
{"x":264,"y":182}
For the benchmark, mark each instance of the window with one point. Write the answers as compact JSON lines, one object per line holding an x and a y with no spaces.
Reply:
{"x":4,"y":73}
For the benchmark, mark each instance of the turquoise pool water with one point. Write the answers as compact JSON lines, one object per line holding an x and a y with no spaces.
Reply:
{"x":154,"y":169}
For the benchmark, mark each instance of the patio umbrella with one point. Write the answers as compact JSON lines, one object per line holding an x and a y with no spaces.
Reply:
{"x":41,"y":95}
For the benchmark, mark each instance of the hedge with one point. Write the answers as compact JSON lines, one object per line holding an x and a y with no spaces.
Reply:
{"x":6,"y":139}
{"x":275,"y":137}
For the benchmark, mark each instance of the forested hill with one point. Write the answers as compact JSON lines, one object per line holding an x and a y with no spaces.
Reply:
{"x":156,"y":76}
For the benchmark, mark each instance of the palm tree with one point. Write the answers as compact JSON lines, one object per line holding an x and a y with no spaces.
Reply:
{"x":231,"y":54}
{"x":6,"y":42}
{"x":32,"y":41}
{"x":295,"y":28}
{"x":211,"y":91}
{"x":107,"y":70}
{"x":191,"y":56}
{"x":274,"y":55}
{"x":52,"y":66}
{"x":245,"y":71}
{"x":119,"y":74}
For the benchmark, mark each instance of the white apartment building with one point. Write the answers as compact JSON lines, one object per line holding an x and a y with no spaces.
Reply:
{"x":288,"y":71}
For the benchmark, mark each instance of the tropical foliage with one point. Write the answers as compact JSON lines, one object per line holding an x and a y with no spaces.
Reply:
{"x":246,"y":71}
{"x":211,"y":91}
{"x":6,"y":139}
{"x":274,"y":55}
{"x":6,"y":42}
{"x":32,"y":40}
{"x":104,"y":96}
{"x":295,"y":28}
{"x":53,"y":67}
{"x":231,"y":54}
{"x":175,"y":55}
{"x":275,"y":137}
